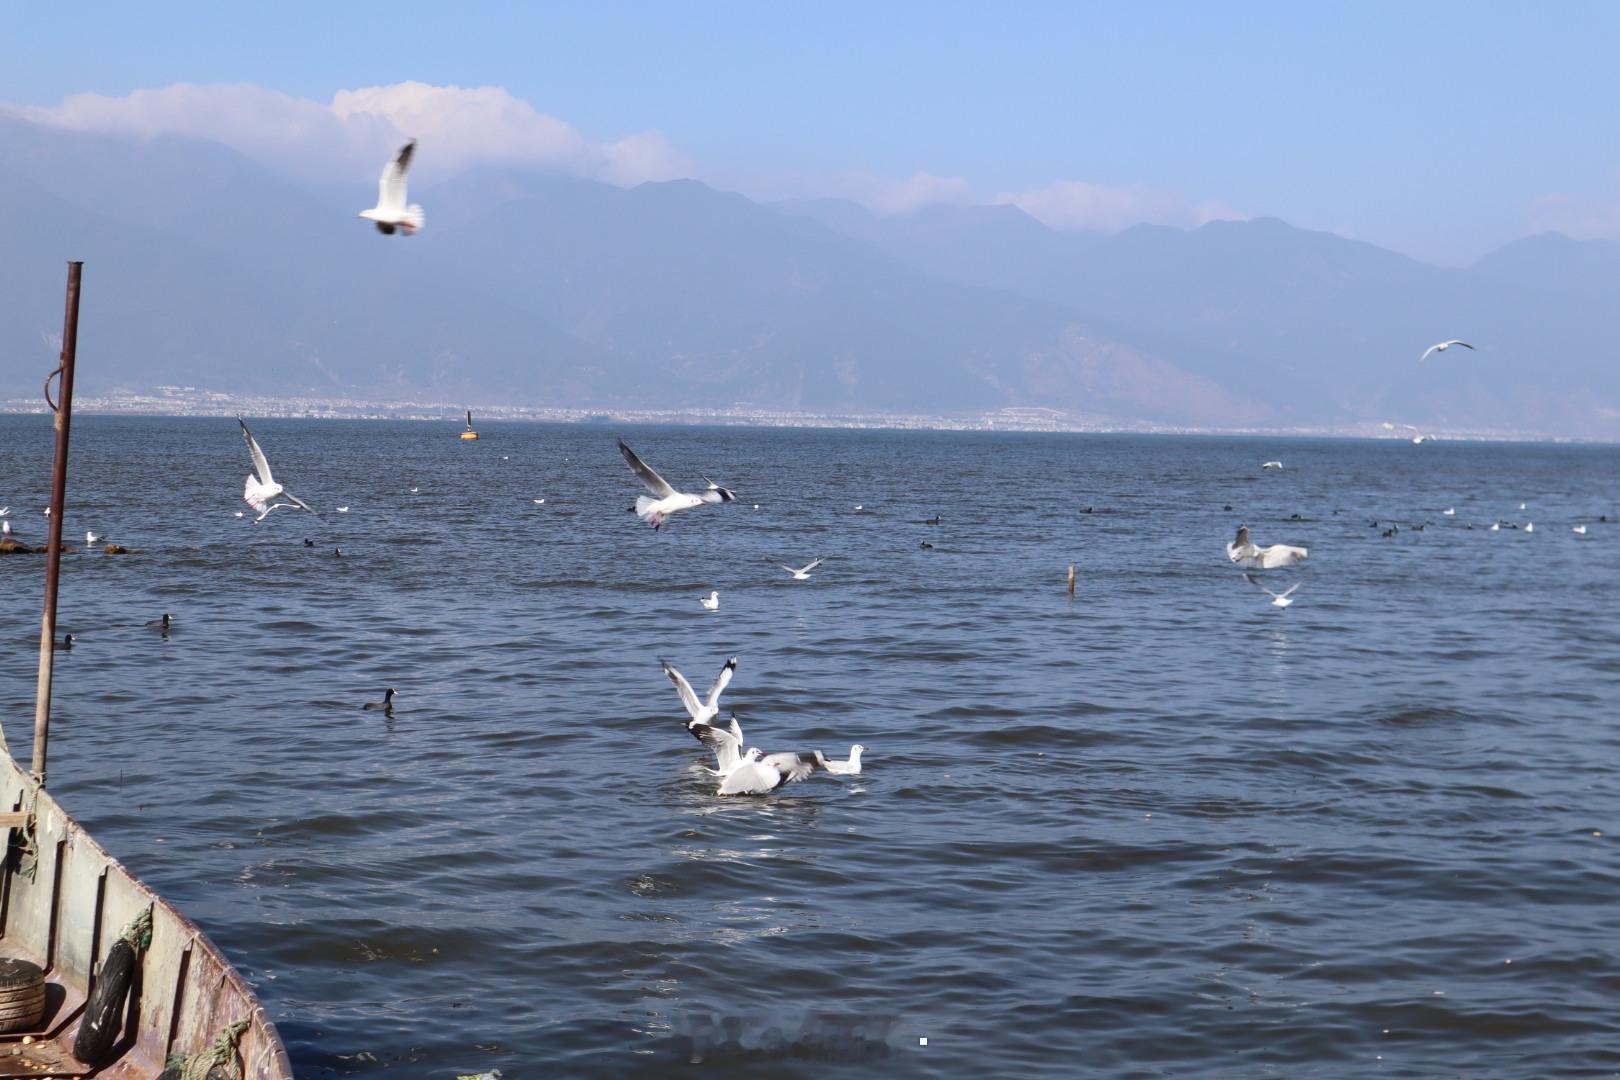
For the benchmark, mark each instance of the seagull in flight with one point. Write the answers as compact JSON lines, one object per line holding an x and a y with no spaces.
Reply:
{"x":260,"y":492}
{"x":391,"y":213}
{"x":1272,"y":465}
{"x":665,"y":500}
{"x":1278,"y":599}
{"x":706,"y":710}
{"x":1442,"y":347}
{"x":1245,"y":553}
{"x":803,"y":573}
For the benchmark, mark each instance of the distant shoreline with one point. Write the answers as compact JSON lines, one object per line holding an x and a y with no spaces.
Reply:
{"x":188,"y":402}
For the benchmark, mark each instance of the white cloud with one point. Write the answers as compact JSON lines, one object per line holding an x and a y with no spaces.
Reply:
{"x":459,"y":128}
{"x":1076,"y":204}
{"x":1585,"y":216}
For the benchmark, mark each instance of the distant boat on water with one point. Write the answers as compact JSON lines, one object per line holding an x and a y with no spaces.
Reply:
{"x":469,"y":434}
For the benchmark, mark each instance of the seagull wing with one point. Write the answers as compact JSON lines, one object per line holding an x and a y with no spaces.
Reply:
{"x":1251,"y":580}
{"x":793,"y":767}
{"x":812,"y":566}
{"x":260,"y":466}
{"x":1427,"y":351}
{"x":684,"y":688}
{"x":721,"y":681}
{"x":727,"y":747}
{"x":716,"y":493}
{"x":1464,"y":344}
{"x":300,"y":502}
{"x":1286,"y":592}
{"x":654,"y":482}
{"x":391,"y":186}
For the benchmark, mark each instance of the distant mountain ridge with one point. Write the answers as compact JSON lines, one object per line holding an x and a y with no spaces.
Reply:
{"x":204,"y":268}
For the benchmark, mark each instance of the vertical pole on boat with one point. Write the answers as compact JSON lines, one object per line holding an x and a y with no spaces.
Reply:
{"x":63,"y":408}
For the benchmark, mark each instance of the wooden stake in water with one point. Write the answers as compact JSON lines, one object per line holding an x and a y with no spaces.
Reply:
{"x":53,"y":557}
{"x":1071,"y":579}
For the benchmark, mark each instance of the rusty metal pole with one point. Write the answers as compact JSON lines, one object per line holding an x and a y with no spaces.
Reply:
{"x":53,"y":556}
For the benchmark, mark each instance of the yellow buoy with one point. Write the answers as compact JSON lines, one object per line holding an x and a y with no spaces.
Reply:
{"x":469,"y":433}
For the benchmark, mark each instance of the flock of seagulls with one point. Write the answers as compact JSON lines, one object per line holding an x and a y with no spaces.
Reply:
{"x":750,"y":771}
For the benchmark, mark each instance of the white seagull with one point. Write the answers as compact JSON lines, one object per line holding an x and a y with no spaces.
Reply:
{"x":391,"y":213}
{"x":760,"y":774}
{"x":1281,"y":599}
{"x":665,"y":500}
{"x":92,"y":538}
{"x":803,"y":573}
{"x":709,"y":708}
{"x":1244,"y":552}
{"x":711,"y":602}
{"x":1450,"y":512}
{"x":342,"y":509}
{"x":5,"y":511}
{"x":852,"y":767}
{"x":1442,"y":347}
{"x":1579,"y":530}
{"x":1529,"y":526}
{"x":1272,"y":465}
{"x":261,"y":491}
{"x":725,"y":742}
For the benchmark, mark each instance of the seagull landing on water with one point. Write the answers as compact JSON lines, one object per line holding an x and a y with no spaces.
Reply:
{"x":803,"y":572}
{"x":710,"y":602}
{"x":260,"y":492}
{"x":1272,"y":465}
{"x":706,"y":710}
{"x":761,"y":774}
{"x":1245,"y":553}
{"x":1442,"y":347}
{"x":1278,"y":599}
{"x":665,"y":500}
{"x":391,"y":213}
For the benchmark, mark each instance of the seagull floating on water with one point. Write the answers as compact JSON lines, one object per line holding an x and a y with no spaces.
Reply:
{"x":852,"y":767}
{"x":342,"y":509}
{"x":1272,"y":465}
{"x":1245,"y":553}
{"x":91,"y":538}
{"x":391,"y":213}
{"x":711,"y":602}
{"x":1281,"y":599}
{"x":1449,"y":512}
{"x":1442,"y":347}
{"x":1529,"y":526}
{"x":259,"y":492}
{"x":665,"y":500}
{"x":803,"y":573}
{"x":1579,"y":530}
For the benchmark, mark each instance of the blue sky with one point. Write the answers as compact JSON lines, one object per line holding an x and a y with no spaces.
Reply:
{"x":1440,"y":129}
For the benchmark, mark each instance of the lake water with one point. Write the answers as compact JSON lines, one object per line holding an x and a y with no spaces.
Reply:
{"x":1159,"y":829}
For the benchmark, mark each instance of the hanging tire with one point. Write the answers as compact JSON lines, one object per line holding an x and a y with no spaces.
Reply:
{"x":103,"y":1013}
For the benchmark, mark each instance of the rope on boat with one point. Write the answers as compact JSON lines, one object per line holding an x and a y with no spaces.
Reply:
{"x":139,"y":931}
{"x":200,"y":1066}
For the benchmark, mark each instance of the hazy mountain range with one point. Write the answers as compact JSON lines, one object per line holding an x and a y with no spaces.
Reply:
{"x":203,"y":268}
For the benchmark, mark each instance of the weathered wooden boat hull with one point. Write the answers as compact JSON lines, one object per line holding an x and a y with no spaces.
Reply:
{"x":68,"y":911}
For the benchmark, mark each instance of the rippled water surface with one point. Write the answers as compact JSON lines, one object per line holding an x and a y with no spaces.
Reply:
{"x":1159,"y":829}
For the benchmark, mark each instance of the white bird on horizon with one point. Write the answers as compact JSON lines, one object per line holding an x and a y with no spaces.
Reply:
{"x":666,"y":500}
{"x":1417,"y":440}
{"x":1281,"y":599}
{"x":1449,"y":512}
{"x":707,"y":709}
{"x":803,"y":573}
{"x":1579,"y":530}
{"x":391,"y":213}
{"x":711,"y":602}
{"x":261,"y":491}
{"x":1247,"y":554}
{"x":1272,"y":465}
{"x":1442,"y":347}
